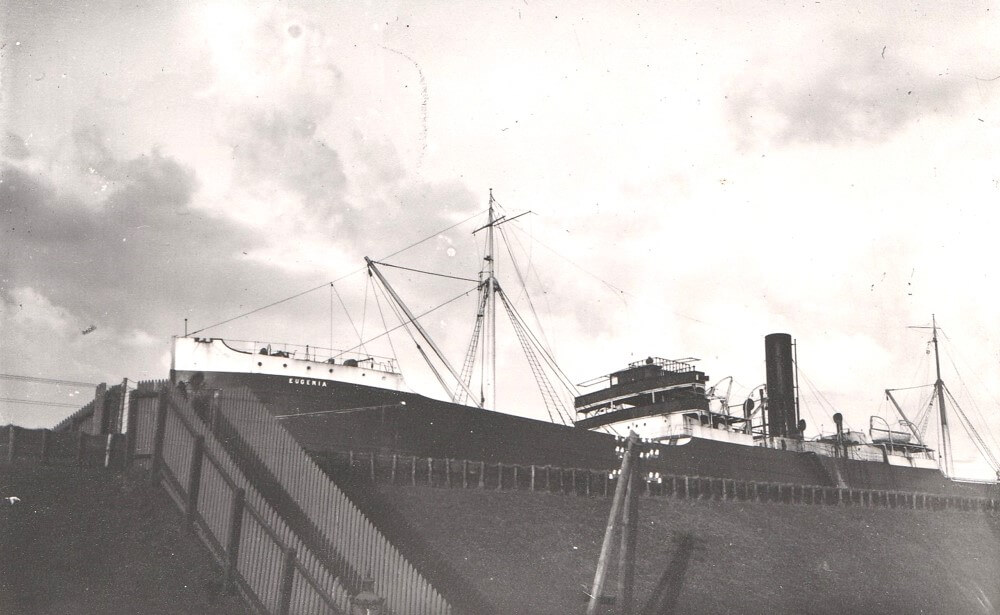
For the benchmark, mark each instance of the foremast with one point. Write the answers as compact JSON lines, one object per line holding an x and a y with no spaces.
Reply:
{"x":947,"y":460}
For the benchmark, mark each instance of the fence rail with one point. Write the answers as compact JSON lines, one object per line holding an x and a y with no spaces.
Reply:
{"x":464,"y":474}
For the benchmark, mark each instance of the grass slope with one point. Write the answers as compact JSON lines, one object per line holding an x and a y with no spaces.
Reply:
{"x":93,"y":541}
{"x":536,"y":553}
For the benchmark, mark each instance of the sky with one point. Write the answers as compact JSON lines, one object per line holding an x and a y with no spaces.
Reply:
{"x":698,"y":175}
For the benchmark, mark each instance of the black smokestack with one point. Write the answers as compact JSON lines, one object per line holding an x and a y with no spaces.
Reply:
{"x":782,"y":418}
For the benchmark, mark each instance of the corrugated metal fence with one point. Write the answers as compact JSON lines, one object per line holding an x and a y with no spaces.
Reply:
{"x":292,"y":540}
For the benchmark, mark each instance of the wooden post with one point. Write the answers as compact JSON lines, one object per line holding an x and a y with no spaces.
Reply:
{"x":430,"y":471}
{"x":372,"y":467}
{"x":392,"y":476}
{"x":597,"y":589}
{"x":130,"y":434}
{"x":482,"y":474}
{"x":499,"y":476}
{"x":233,"y":539}
{"x":532,"y":477}
{"x":413,"y":470}
{"x":572,"y":475}
{"x":447,"y":472}
{"x":46,"y":437}
{"x":161,"y":429}
{"x":194,"y":481}
{"x":465,"y":474}
{"x":107,"y":450}
{"x":548,"y":487}
{"x":11,"y":442}
{"x":81,"y":448}
{"x":287,"y":575}
{"x":515,"y":478}
{"x":626,"y":559}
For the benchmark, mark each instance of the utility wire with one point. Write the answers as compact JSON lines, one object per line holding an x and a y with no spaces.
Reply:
{"x":71,"y":383}
{"x":40,"y":403}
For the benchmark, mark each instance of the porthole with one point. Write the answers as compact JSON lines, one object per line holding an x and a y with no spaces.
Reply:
{"x":308,"y":367}
{"x":331,"y":370}
{"x":284,"y":364}
{"x":259,"y":364}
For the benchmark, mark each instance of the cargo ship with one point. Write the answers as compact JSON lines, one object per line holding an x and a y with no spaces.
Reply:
{"x":334,"y":402}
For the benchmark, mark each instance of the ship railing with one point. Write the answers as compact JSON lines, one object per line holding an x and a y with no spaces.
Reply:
{"x":319,"y":354}
{"x":671,"y":365}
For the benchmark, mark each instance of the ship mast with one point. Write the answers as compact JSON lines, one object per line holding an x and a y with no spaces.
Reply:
{"x":946,"y":454}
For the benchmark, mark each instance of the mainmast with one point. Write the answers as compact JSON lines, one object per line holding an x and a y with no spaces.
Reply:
{"x":490,"y":355}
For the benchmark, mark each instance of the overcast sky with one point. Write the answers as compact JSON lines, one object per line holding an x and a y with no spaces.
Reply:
{"x":699,"y":176}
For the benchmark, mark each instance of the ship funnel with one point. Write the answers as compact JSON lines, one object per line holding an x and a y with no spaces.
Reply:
{"x":782,"y":415}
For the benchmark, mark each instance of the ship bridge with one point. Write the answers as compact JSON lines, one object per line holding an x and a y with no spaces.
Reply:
{"x":651,"y":387}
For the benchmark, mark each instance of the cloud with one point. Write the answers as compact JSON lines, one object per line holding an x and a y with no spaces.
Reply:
{"x":847,"y":93}
{"x":14,"y":147}
{"x":138,"y":258}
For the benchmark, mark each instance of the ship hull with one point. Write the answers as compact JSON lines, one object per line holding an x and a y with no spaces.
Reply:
{"x":330,"y":417}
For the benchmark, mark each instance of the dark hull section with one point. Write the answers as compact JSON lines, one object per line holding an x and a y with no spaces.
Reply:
{"x":342,"y":417}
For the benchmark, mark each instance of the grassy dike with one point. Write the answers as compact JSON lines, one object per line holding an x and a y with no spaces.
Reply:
{"x":97,"y":541}
{"x":536,"y":553}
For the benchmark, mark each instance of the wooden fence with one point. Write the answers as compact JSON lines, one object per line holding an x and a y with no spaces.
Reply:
{"x":259,"y":552}
{"x":464,"y":474}
{"x":61,"y":447}
{"x":355,"y":547}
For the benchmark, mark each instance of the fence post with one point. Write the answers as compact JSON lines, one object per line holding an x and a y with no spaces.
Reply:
{"x":372,"y":466}
{"x":11,"y":441}
{"x":392,"y":475}
{"x":532,"y":477}
{"x":465,"y":474}
{"x":482,"y":474}
{"x":233,"y":539}
{"x":81,"y":448}
{"x":499,"y":476}
{"x":447,"y":472}
{"x":161,"y":429}
{"x":430,"y":471}
{"x":413,"y":470}
{"x":45,"y":446}
{"x":194,"y":480}
{"x":516,"y":486}
{"x":287,"y":574}
{"x":107,"y":450}
{"x":130,"y":434}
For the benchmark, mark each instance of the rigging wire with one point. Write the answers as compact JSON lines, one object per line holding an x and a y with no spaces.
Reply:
{"x":545,"y":355}
{"x":382,"y":315}
{"x":440,"y":275}
{"x":349,"y":319}
{"x":524,"y":288}
{"x":974,"y":434}
{"x":819,"y":394}
{"x":979,"y":414}
{"x":417,"y":317}
{"x":343,"y":277}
